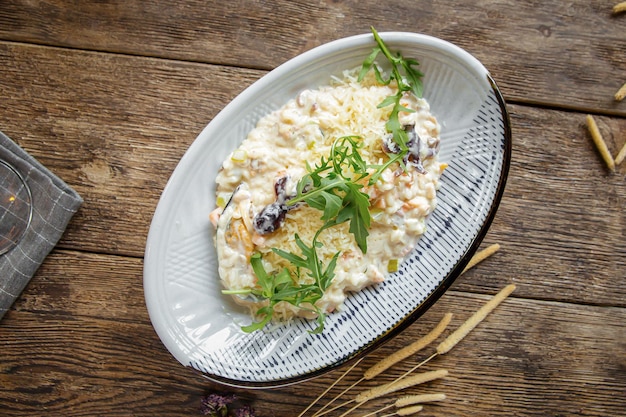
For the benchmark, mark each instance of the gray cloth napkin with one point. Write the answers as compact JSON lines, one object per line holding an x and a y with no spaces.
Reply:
{"x":54,"y":204}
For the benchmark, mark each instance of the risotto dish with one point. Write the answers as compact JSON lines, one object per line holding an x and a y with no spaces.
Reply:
{"x":324,"y":197}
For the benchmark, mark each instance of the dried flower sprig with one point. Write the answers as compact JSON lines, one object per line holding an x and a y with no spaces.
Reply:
{"x":409,"y":350}
{"x":245,"y":411}
{"x":329,"y":388}
{"x":402,"y":384}
{"x":475,"y":319}
{"x":409,"y":400}
{"x":407,"y":411}
{"x":371,"y":372}
{"x":224,"y":405}
{"x":389,"y":361}
{"x":459,"y":334}
{"x":216,"y":405}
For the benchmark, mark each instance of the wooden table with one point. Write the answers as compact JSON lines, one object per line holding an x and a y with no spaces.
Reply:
{"x":110,"y":94}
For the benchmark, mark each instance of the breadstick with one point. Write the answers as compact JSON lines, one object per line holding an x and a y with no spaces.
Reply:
{"x":458,"y":335}
{"x":411,"y":381}
{"x":417,"y":399}
{"x":481,"y":256}
{"x":599,"y":141}
{"x":620,"y":156}
{"x":621,"y":93}
{"x":409,"y":350}
{"x":619,"y":7}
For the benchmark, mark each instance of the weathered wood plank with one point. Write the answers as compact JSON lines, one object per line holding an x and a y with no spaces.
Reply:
{"x":113,"y":130}
{"x":80,"y":343}
{"x":116,"y":134}
{"x":568,"y":55}
{"x":561,"y":223}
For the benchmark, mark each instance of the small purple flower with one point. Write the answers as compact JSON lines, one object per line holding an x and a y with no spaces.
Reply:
{"x":216,"y":405}
{"x":245,"y":411}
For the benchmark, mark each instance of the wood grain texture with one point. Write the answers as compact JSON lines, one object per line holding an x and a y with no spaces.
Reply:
{"x":117,"y":129}
{"x":110,"y":94}
{"x":114,"y":127}
{"x":81,"y":344}
{"x":565,"y":54}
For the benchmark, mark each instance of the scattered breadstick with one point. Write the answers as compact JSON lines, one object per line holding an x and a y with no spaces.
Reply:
{"x":619,"y":7}
{"x":408,"y":382}
{"x":409,"y":350}
{"x":599,"y":141}
{"x":620,"y":156}
{"x":458,"y":335}
{"x":621,"y":93}
{"x":481,"y":256}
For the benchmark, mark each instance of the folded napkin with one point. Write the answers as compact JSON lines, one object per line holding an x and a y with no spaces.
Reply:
{"x":54,"y":204}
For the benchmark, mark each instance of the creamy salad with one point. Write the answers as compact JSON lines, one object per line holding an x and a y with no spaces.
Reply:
{"x":259,"y":178}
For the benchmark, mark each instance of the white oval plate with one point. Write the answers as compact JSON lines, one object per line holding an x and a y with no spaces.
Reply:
{"x":201,"y":327}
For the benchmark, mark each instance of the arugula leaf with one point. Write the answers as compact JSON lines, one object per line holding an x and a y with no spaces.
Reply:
{"x":283,"y":286}
{"x":333,"y":187}
{"x":410,"y":82}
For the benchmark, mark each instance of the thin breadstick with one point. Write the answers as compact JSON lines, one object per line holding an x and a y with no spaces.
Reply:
{"x":411,"y":381}
{"x":620,"y":156}
{"x":621,"y":93}
{"x":481,"y":256}
{"x":458,"y":335}
{"x":619,"y":7}
{"x":599,"y":141}
{"x":417,"y":399}
{"x":409,"y":350}
{"x":409,"y":411}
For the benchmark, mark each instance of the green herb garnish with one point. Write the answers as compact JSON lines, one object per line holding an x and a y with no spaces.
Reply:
{"x":411,"y":81}
{"x":283,"y":286}
{"x":333,"y":187}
